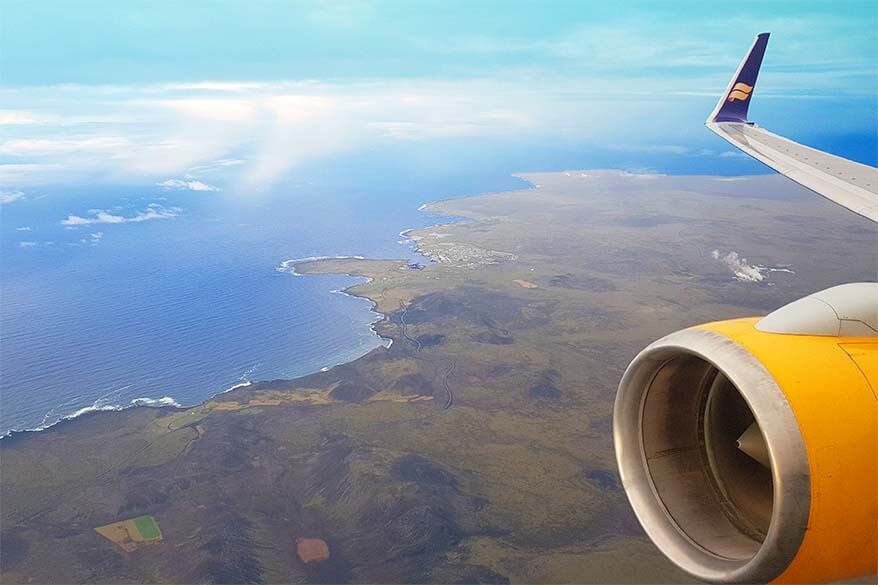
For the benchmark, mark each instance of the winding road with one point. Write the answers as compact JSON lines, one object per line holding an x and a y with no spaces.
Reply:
{"x":449,"y":396}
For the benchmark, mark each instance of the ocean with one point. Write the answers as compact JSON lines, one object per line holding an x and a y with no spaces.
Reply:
{"x":177,"y":308}
{"x":177,"y":295}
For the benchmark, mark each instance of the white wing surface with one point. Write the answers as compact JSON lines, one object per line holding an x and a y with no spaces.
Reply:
{"x":847,"y":183}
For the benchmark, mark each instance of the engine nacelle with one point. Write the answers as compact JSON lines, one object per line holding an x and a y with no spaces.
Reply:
{"x":749,"y":448}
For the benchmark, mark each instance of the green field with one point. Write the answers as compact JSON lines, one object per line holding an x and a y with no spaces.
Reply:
{"x":148,"y":528}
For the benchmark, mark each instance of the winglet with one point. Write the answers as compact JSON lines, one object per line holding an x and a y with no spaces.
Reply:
{"x":732,"y":107}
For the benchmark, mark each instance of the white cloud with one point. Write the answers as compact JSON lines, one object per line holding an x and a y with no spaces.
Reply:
{"x":219,"y":109}
{"x":10,"y":196}
{"x":257,"y":132}
{"x":17,"y":117}
{"x":40,"y":147}
{"x":104,"y":217}
{"x":94,"y":239}
{"x":632,"y":83}
{"x":23,"y":228}
{"x":743,"y":270}
{"x":677,"y":149}
{"x":732,"y":154}
{"x":33,"y":173}
{"x":191,"y":185}
{"x":13,"y":118}
{"x":27,"y":244}
{"x":216,"y":165}
{"x":211,"y":86}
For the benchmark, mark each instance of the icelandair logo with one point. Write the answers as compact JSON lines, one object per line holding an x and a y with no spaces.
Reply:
{"x":741,"y":91}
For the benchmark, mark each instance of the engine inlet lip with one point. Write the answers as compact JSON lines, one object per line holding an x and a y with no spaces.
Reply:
{"x":789,"y":460}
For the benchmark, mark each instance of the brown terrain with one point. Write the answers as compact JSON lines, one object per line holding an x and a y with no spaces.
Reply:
{"x":478,"y":447}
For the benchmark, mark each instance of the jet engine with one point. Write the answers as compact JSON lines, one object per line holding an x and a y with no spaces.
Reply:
{"x":749,"y":448}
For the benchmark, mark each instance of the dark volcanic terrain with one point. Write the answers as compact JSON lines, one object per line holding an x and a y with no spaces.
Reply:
{"x":478,"y":447}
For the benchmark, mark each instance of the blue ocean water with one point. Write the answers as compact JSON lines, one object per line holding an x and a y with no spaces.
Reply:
{"x":179,"y":309}
{"x":176,"y":310}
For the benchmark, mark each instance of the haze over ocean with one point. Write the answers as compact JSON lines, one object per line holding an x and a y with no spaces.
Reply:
{"x":149,"y":190}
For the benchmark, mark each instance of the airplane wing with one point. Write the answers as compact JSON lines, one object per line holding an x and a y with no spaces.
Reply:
{"x":849,"y":184}
{"x":736,"y":455}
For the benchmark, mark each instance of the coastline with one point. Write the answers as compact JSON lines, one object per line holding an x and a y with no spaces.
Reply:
{"x":168,"y":403}
{"x":163,"y":403}
{"x":289,"y":266}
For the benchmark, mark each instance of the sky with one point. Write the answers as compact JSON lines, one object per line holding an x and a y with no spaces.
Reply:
{"x":237,"y":95}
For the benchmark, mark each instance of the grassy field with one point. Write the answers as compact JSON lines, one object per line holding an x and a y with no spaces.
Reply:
{"x":130,"y":534}
{"x":147,"y":528}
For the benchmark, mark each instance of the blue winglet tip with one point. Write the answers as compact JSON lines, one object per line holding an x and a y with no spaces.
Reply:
{"x":735,"y":102}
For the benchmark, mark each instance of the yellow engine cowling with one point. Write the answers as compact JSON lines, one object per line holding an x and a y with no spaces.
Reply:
{"x":752,"y":456}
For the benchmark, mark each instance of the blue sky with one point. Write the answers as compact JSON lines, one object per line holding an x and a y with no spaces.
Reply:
{"x":249,"y":91}
{"x":90,"y":42}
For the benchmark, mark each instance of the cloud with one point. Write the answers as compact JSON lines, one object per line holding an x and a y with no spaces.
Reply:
{"x":746,"y":272}
{"x":640,"y":84}
{"x":656,"y":149}
{"x":17,"y":117}
{"x":216,"y":165}
{"x":40,"y":147}
{"x":94,"y":239}
{"x":743,"y":270}
{"x":23,"y":228}
{"x":191,"y":185}
{"x":154,"y":211}
{"x":34,"y":173}
{"x":10,"y":197}
{"x":211,"y":86}
{"x":254,"y":133}
{"x":28,"y":244}
{"x":221,"y":108}
{"x":732,"y":154}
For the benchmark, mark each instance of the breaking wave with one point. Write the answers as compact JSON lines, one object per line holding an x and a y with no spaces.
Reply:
{"x":289,"y":266}
{"x":99,"y":405}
